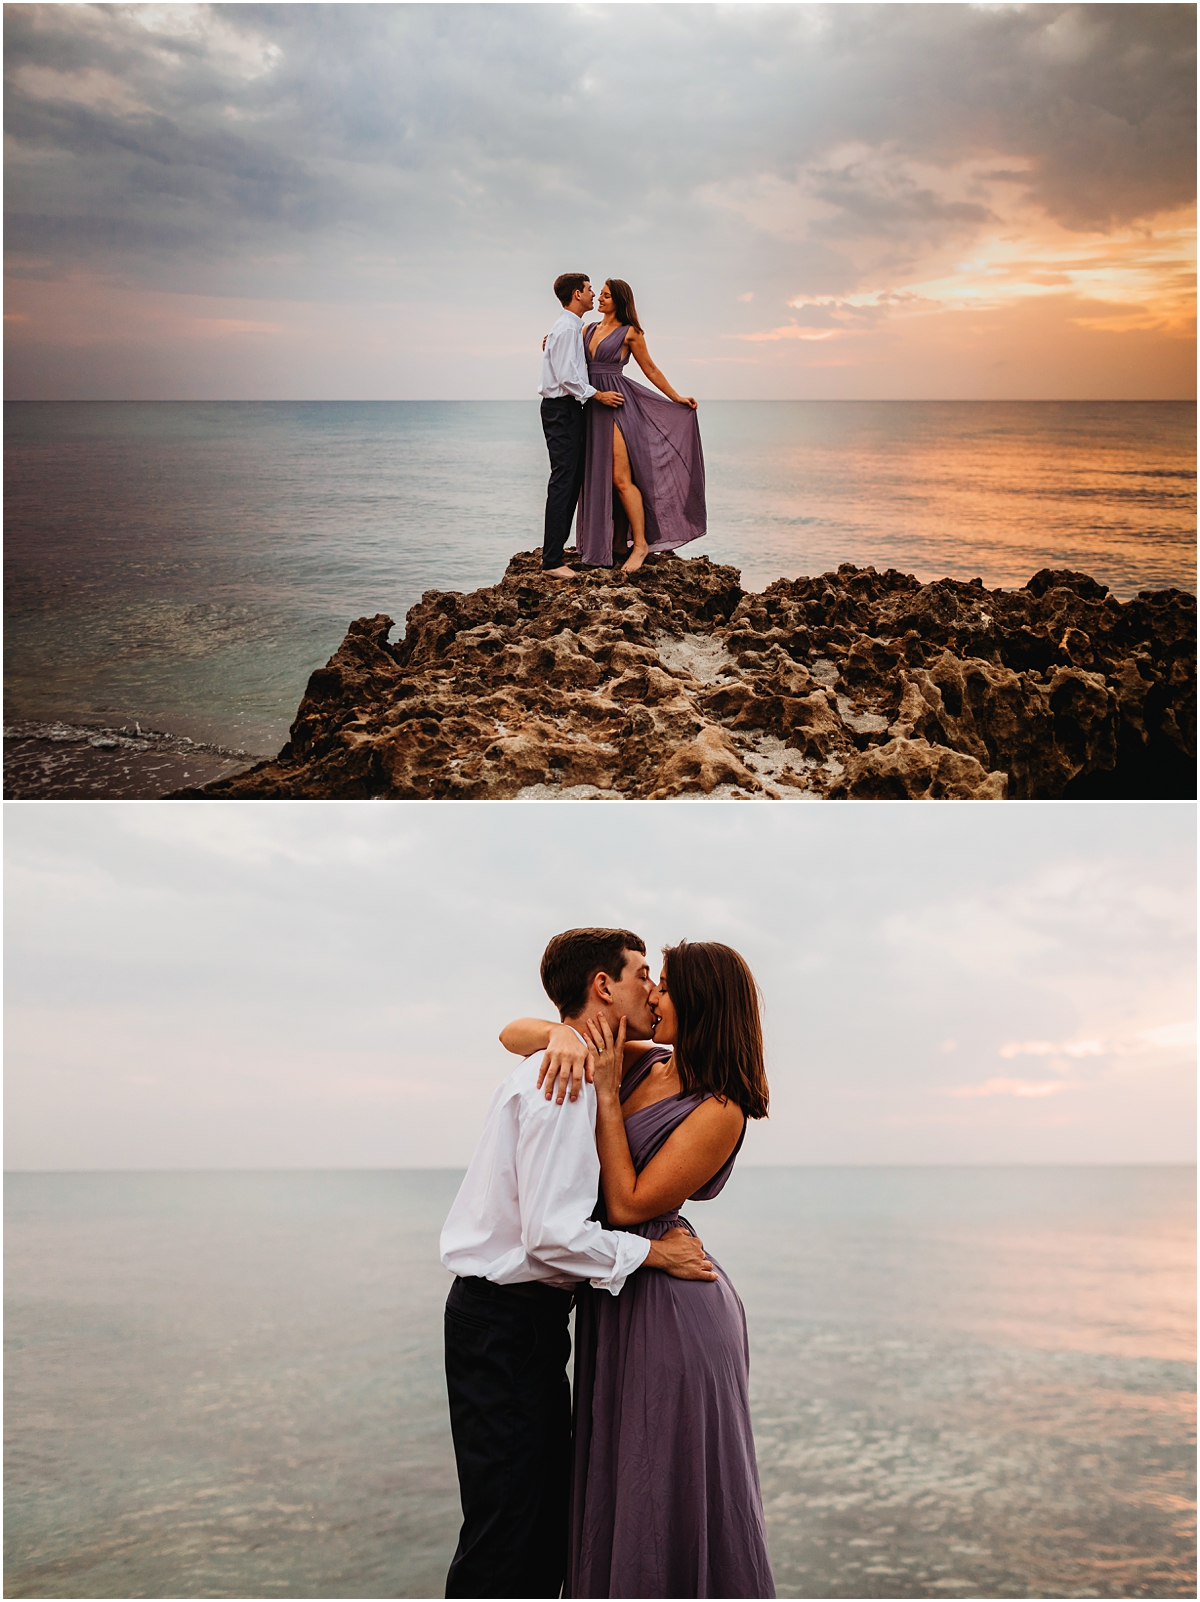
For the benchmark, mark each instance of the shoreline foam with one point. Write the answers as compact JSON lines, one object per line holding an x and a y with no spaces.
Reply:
{"x":77,"y":761}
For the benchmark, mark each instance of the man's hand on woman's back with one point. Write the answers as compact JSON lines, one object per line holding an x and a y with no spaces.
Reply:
{"x":681,"y":1255}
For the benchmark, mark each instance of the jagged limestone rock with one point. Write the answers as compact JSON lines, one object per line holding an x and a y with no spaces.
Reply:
{"x":675,"y":681}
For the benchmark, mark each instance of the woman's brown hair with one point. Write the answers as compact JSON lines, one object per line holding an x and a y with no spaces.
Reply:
{"x":719,"y":1045}
{"x":623,"y":303}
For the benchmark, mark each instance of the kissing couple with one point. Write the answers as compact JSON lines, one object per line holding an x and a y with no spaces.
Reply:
{"x":630,"y":460}
{"x":655,"y":1492}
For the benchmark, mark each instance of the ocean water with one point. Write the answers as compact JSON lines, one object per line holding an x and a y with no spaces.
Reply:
{"x":965,"y":1382}
{"x":187,"y":565}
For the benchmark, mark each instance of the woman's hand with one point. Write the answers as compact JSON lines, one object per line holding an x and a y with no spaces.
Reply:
{"x":688,"y":400}
{"x":567,"y":1063}
{"x":609,"y":1056}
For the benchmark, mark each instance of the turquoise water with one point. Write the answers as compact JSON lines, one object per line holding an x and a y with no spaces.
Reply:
{"x":188,"y":564}
{"x":965,"y":1382}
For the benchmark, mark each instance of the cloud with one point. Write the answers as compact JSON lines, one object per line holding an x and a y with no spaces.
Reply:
{"x":882,"y":201}
{"x":793,"y":331}
{"x":358,"y":156}
{"x":1178,"y":1040}
{"x":1164,"y":1037}
{"x":1015,"y":1087}
{"x":283,"y":973}
{"x":1044,"y":1048}
{"x":400,"y":116}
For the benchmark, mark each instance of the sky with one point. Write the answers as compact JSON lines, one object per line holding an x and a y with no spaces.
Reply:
{"x":322,"y":984}
{"x":373,"y":201}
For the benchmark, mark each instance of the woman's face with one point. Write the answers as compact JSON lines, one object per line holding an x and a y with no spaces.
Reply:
{"x":605,"y":303}
{"x":668,"y":1022}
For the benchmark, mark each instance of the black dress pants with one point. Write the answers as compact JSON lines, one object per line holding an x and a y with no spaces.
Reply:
{"x":510,"y":1415}
{"x":562,"y":424}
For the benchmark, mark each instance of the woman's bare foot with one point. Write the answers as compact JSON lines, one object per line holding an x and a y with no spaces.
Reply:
{"x":636,"y":557}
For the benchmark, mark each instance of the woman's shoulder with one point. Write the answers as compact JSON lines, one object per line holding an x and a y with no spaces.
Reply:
{"x":713,"y":1114}
{"x":714,"y":1129}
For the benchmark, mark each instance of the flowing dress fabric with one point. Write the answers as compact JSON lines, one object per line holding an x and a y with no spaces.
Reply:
{"x":665,"y":1499}
{"x":663,"y":442}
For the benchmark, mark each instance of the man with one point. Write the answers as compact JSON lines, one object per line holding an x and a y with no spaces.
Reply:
{"x":519,"y":1237}
{"x":565,"y":391}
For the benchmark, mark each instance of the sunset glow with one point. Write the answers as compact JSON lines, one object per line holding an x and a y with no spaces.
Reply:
{"x":1138,"y":280}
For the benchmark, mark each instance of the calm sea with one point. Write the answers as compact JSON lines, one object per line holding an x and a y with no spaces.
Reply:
{"x":188,"y":565}
{"x":965,"y":1382}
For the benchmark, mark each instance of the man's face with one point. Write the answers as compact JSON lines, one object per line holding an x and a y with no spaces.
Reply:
{"x":586,"y":298}
{"x":631,"y":995}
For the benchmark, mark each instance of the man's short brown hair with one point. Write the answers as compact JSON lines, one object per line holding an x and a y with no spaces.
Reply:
{"x":573,"y":959}
{"x":566,"y":284}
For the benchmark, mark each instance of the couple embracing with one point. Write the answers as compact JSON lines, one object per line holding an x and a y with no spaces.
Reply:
{"x":654,"y":1493}
{"x":629,"y":459}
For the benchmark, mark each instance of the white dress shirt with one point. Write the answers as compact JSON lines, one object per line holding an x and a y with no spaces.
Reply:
{"x":523,"y":1212}
{"x":564,"y":363}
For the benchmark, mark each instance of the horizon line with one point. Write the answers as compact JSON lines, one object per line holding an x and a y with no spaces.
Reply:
{"x":489,"y":400}
{"x":454,"y":1168}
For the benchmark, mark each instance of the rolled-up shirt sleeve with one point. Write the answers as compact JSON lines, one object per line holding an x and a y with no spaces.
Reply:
{"x":558,"y":1176}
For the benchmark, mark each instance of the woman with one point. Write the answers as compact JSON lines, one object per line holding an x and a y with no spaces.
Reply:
{"x":647,"y":450}
{"x":665,"y":1498}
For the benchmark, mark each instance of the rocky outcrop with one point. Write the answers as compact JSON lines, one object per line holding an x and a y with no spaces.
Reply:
{"x":675,"y":682}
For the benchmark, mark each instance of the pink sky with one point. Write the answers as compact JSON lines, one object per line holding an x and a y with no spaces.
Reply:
{"x":192,"y":987}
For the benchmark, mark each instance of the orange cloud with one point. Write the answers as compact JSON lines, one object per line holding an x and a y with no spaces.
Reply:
{"x":1116,"y":302}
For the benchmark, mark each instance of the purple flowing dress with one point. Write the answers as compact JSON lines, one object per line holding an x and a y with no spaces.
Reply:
{"x":665,"y":1500}
{"x":663,"y":442}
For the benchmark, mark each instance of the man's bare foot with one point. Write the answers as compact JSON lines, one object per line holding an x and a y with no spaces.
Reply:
{"x":559,"y":572}
{"x":635,"y":560}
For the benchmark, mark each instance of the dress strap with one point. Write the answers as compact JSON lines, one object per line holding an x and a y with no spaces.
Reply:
{"x":641,"y":1068}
